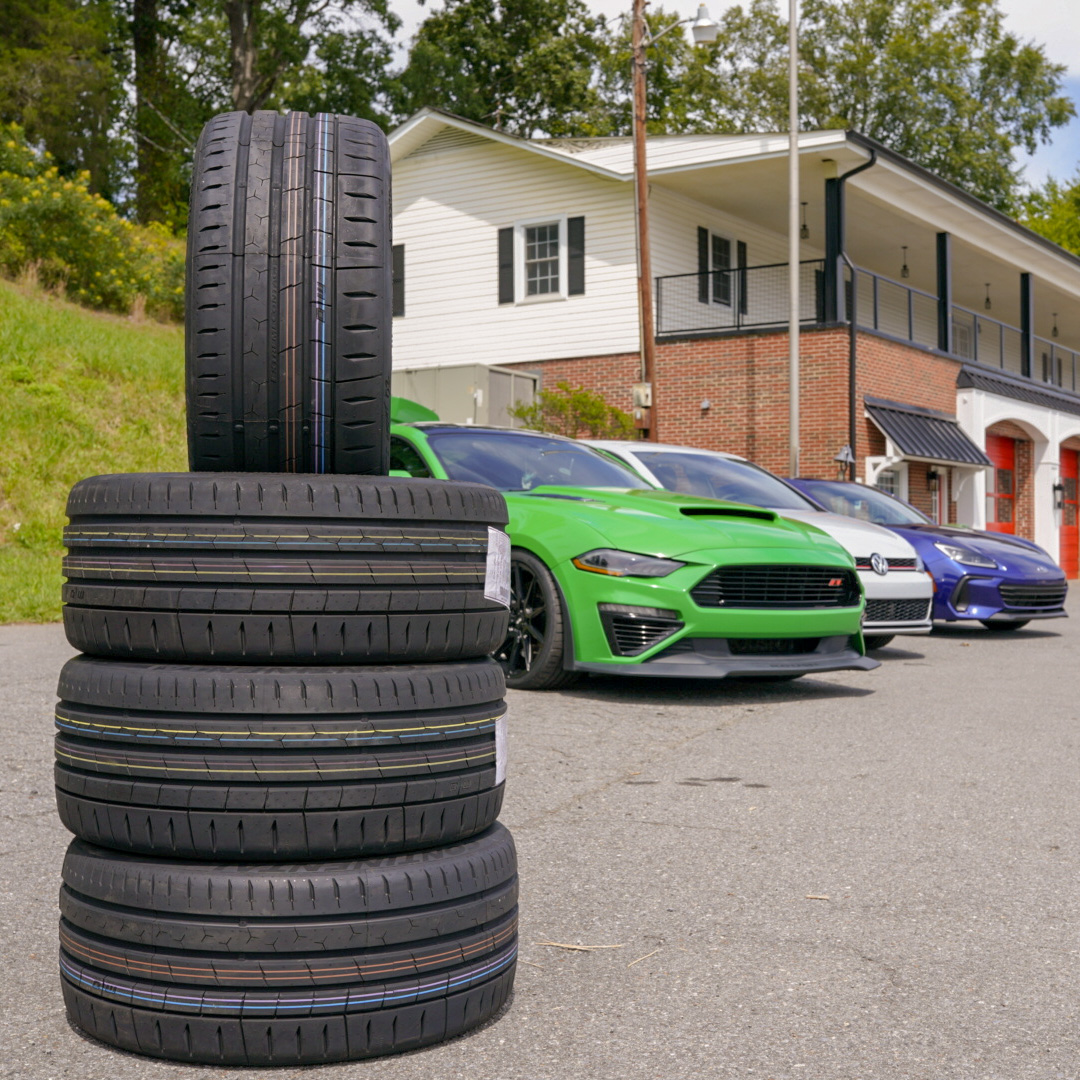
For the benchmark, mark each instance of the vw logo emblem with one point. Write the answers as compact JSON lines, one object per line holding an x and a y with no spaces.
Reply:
{"x":879,"y":564}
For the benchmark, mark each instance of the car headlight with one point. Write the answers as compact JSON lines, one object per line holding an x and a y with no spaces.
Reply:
{"x":625,"y":564}
{"x":965,"y":556}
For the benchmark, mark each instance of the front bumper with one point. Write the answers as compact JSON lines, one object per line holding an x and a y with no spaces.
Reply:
{"x":898,"y":602}
{"x":979,"y":598}
{"x":662,"y":631}
{"x":711,"y":658}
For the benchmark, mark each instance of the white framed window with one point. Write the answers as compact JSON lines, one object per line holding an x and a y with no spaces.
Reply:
{"x":540,"y":258}
{"x":894,"y":481}
{"x":720,"y":265}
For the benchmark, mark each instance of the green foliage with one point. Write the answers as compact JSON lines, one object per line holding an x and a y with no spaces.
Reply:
{"x":574,"y":413}
{"x":61,"y":80}
{"x":72,"y":239}
{"x":522,"y":66}
{"x":84,"y":393}
{"x":1053,"y":211}
{"x":939,"y":81}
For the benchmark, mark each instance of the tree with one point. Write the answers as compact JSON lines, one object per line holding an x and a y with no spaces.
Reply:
{"x":1053,"y":211}
{"x":195,"y":58}
{"x":61,"y":80}
{"x":939,"y":81}
{"x":571,"y":412}
{"x":523,"y":66}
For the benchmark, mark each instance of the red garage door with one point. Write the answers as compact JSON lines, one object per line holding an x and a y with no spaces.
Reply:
{"x":1001,"y":484}
{"x":1070,"y":532}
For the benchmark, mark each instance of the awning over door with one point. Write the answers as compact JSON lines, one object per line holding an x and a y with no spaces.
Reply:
{"x":924,"y":434}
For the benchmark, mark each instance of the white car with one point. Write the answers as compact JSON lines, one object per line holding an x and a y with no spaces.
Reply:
{"x":898,"y":590}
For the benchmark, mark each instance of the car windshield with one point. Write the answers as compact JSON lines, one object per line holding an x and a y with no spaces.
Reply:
{"x":865,"y":503}
{"x":721,"y":478}
{"x":517,"y":461}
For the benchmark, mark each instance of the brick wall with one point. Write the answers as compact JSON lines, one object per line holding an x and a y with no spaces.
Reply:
{"x":745,"y":380}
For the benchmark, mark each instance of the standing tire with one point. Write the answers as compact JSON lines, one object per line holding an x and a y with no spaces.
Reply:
{"x":286,"y":763}
{"x":277,"y":569}
{"x":289,"y":295}
{"x":532,"y":654}
{"x":255,"y":964}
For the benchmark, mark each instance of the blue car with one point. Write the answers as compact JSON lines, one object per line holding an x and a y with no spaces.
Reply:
{"x":999,"y":580}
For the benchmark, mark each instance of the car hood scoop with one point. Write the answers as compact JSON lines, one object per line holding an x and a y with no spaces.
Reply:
{"x":732,"y":511}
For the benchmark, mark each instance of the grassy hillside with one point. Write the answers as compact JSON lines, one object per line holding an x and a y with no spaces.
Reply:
{"x":80,"y":394}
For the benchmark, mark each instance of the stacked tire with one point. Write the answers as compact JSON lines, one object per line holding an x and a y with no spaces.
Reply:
{"x":282,"y":748}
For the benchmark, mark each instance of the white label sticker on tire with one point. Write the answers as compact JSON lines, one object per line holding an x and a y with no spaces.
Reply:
{"x":500,"y":749}
{"x":497,"y":575}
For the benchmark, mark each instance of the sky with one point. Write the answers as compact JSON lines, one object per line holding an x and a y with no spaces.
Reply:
{"x":1052,"y":23}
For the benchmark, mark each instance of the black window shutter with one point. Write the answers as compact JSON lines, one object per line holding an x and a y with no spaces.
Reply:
{"x":397,"y":253}
{"x":741,"y":262}
{"x":703,"y":265}
{"x":575,"y":268}
{"x":506,"y":266}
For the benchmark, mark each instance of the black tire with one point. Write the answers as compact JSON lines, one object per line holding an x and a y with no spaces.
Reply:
{"x":289,"y":295}
{"x":532,"y":654}
{"x":270,"y":569}
{"x":877,"y":641}
{"x":287,"y":965}
{"x":1006,"y":627}
{"x":298,"y":763}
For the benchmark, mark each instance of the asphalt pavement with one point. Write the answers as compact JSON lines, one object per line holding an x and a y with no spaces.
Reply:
{"x":859,"y":875}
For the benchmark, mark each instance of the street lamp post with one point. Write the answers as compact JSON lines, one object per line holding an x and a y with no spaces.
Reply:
{"x":705,"y":31}
{"x":793,"y":239}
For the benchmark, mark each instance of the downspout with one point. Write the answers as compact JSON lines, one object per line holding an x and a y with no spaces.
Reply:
{"x":854,"y":303}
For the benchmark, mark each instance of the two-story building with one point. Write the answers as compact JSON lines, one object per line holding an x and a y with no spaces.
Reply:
{"x":954,"y":326}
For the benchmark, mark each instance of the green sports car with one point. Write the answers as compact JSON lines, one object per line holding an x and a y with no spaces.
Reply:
{"x":609,"y":574}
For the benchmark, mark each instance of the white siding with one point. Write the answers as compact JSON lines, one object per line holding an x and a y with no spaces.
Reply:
{"x":448,"y":207}
{"x":673,"y":222}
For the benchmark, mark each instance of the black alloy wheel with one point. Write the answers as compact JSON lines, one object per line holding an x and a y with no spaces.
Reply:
{"x":532,"y":654}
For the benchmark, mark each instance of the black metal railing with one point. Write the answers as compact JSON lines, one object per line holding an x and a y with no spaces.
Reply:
{"x":737,"y":299}
{"x":757,"y":297}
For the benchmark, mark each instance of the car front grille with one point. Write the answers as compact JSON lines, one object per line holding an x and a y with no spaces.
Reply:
{"x":633,"y":630}
{"x":894,"y":564}
{"x":793,"y":587}
{"x":894,"y":611}
{"x":1050,"y":595}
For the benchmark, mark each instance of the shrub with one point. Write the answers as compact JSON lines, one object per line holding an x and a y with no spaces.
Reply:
{"x":74,"y":240}
{"x":566,"y":411}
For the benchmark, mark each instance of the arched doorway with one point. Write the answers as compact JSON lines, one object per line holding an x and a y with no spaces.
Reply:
{"x":1001,"y":484}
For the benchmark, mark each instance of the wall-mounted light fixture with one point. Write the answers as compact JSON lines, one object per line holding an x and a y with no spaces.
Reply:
{"x":986,"y":303}
{"x":933,"y":481}
{"x":706,"y":405}
{"x":904,"y":271}
{"x":1059,"y":496}
{"x":844,"y":460}
{"x":804,"y":232}
{"x":1054,"y":331}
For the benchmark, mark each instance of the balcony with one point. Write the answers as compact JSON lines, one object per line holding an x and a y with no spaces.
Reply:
{"x":756,"y":298}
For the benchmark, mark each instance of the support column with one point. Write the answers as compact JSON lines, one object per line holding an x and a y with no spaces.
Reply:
{"x":1027,"y":323}
{"x":944,"y":292}
{"x":833,"y":285}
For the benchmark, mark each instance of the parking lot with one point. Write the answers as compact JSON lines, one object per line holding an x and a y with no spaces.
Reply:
{"x":849,"y":876}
